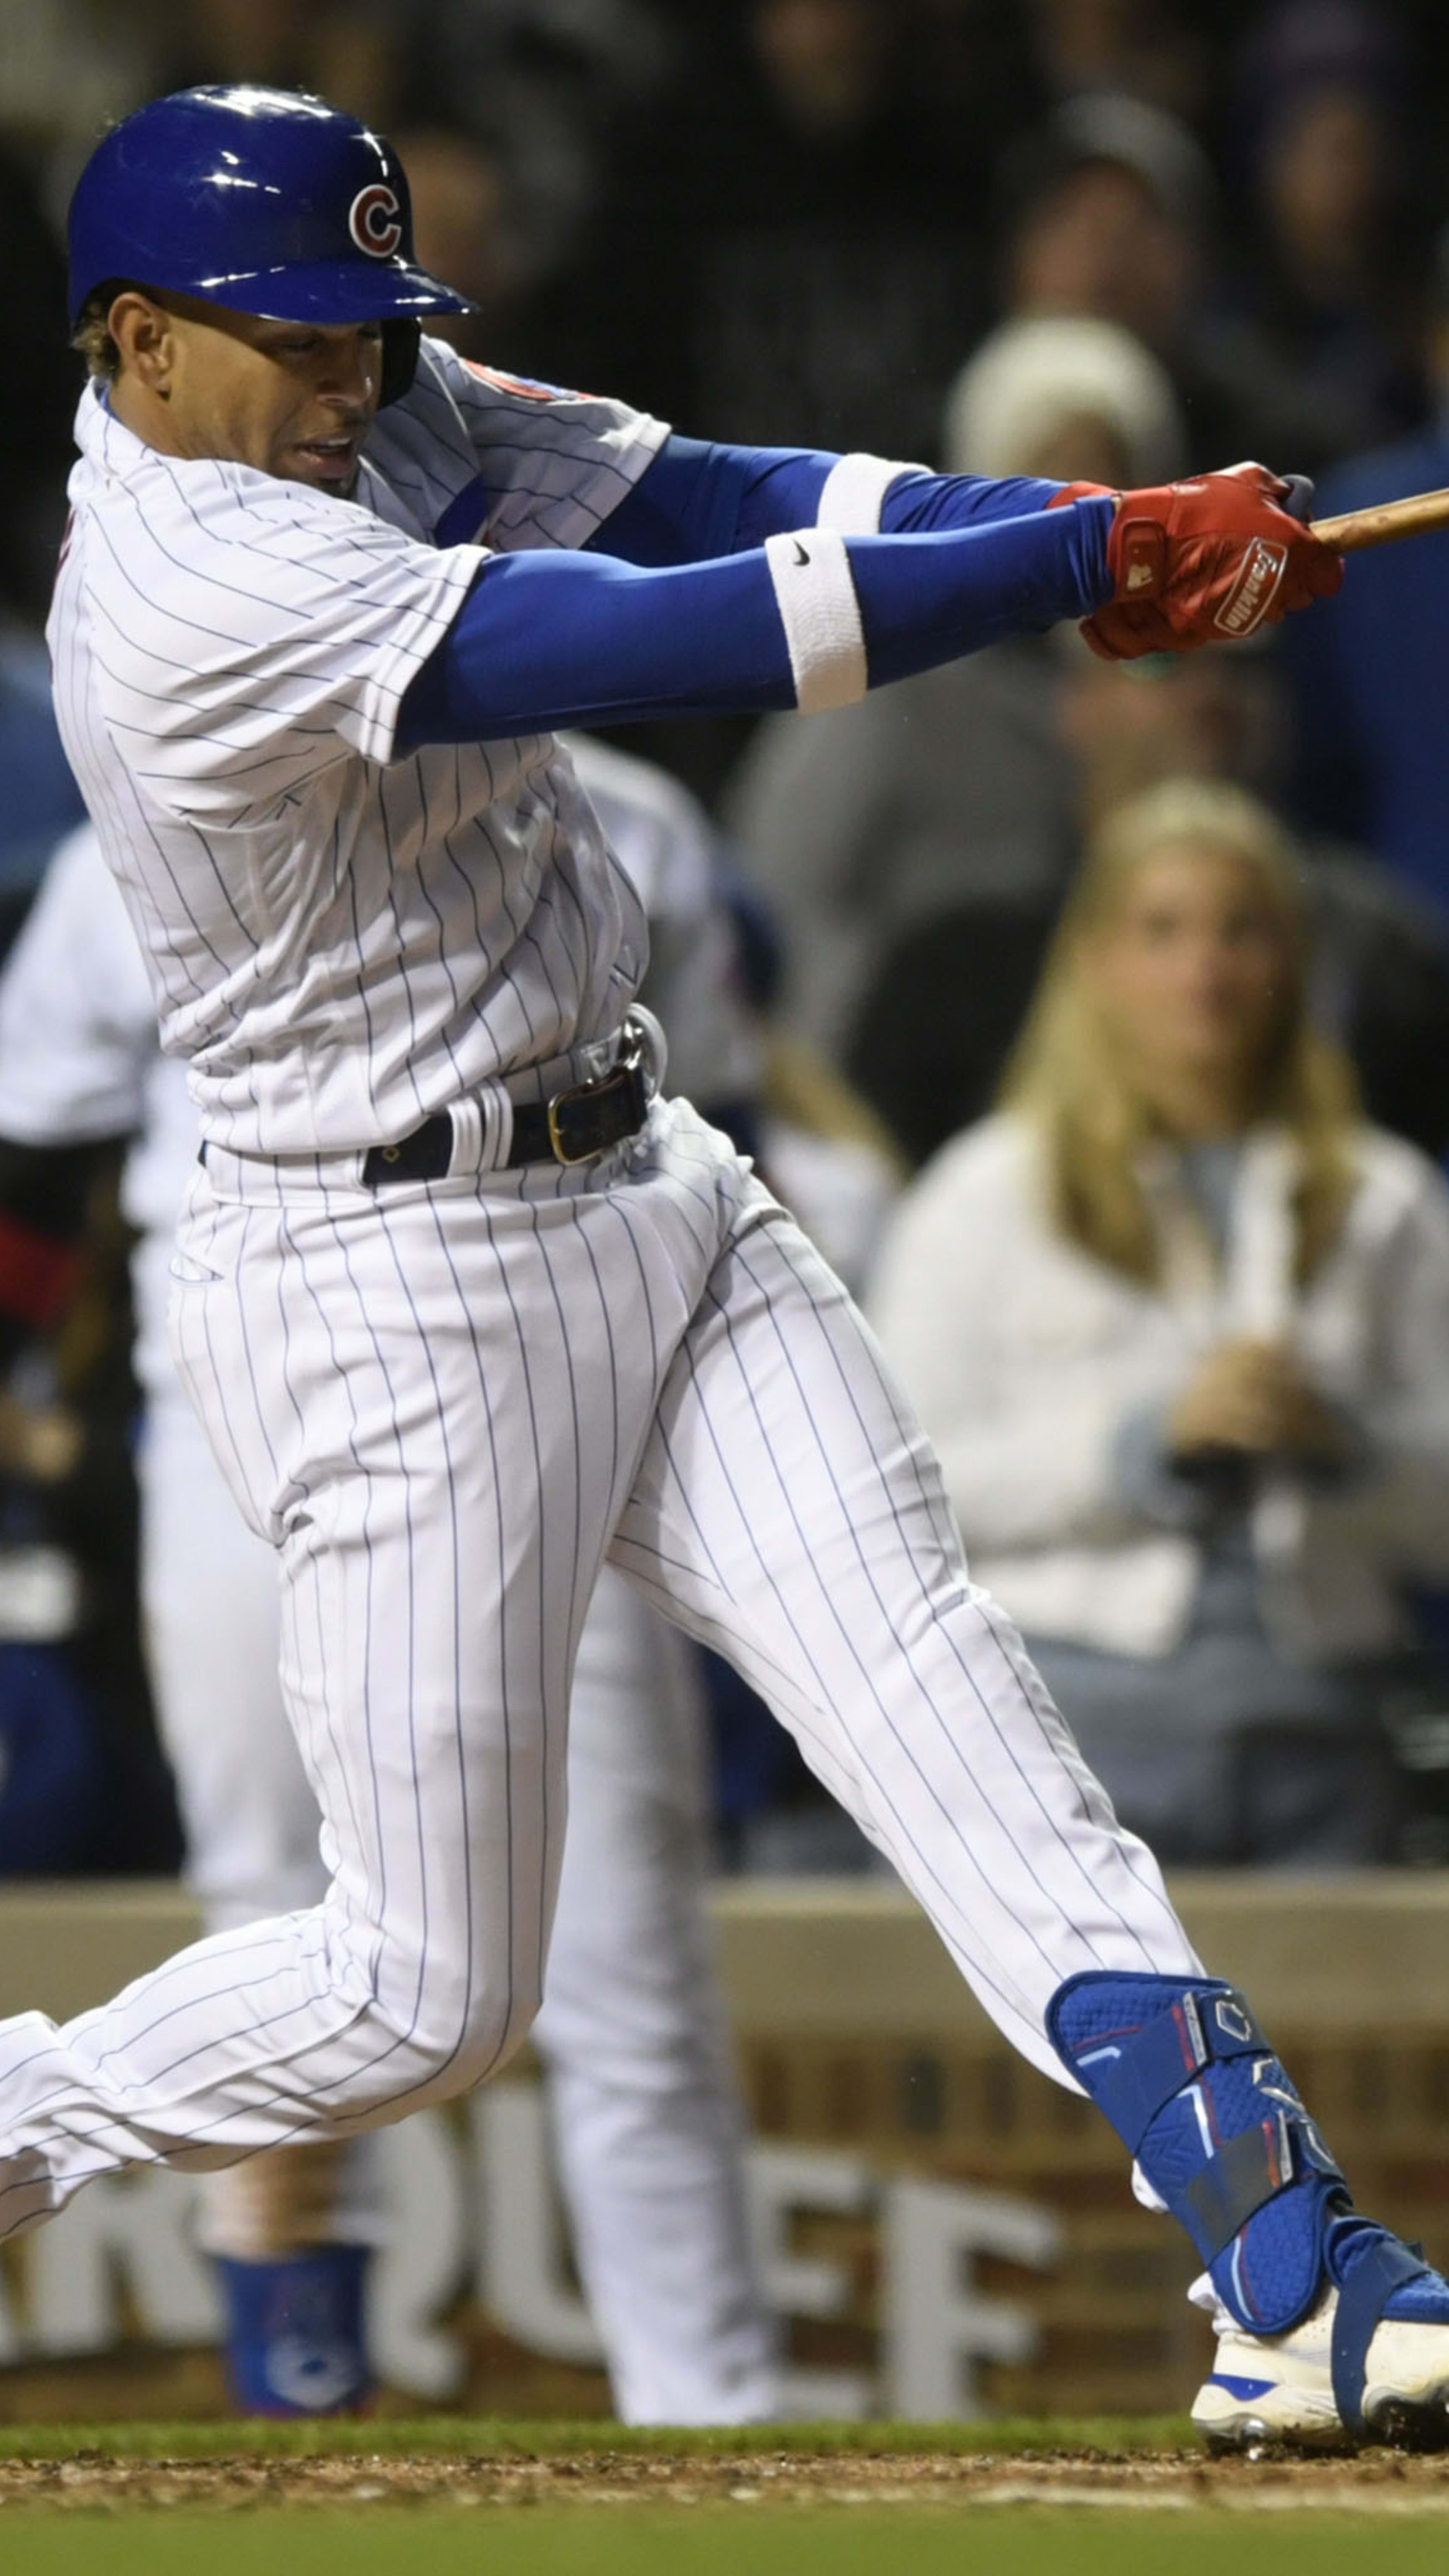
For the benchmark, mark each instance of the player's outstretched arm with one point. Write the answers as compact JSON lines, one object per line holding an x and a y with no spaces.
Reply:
{"x":702,"y":498}
{"x":546,"y":640}
{"x":813,"y":619}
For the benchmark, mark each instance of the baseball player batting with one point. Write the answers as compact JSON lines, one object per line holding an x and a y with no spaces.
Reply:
{"x":467,"y":1308}
{"x":645,"y":2112}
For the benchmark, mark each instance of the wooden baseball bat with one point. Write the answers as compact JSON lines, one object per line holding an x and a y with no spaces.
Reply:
{"x":1356,"y":529}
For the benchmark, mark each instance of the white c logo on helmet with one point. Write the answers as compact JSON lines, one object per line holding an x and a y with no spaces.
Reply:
{"x":374,"y":220}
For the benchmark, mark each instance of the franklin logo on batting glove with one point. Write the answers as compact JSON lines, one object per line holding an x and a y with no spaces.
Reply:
{"x":1253,"y":593}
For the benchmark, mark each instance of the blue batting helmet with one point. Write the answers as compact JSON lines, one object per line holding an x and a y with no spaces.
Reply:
{"x":264,"y":200}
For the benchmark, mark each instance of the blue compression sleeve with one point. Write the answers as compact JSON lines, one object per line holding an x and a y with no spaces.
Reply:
{"x":694,"y":502}
{"x":700,"y":499}
{"x":921,"y":501}
{"x":545,"y":640}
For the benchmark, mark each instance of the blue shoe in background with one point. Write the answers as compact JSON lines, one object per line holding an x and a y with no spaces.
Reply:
{"x":296,"y":2338}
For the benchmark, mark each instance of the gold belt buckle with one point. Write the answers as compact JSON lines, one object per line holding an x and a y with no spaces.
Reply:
{"x":629,"y":1060}
{"x":561,"y":1100}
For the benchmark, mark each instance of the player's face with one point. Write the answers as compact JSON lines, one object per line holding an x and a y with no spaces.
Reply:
{"x":290,"y":398}
{"x":1195,"y":969}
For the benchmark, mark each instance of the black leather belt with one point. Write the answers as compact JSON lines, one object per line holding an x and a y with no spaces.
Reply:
{"x":571,"y":1128}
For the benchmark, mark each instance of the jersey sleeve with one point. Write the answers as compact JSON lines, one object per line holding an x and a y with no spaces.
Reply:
{"x":247,"y":633}
{"x":545,"y":467}
{"x":77,"y":1025}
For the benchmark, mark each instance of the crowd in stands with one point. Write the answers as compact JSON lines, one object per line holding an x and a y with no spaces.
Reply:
{"x":1132,"y":982}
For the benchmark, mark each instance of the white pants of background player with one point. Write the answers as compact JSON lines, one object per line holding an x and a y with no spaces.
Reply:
{"x":445,"y":1405}
{"x":645,"y":2113}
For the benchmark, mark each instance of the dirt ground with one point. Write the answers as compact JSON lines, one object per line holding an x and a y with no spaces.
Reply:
{"x":1376,"y":2481}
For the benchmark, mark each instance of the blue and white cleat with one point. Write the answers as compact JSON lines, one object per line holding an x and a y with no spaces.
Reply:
{"x":1330,"y":2330}
{"x":1279,"y":2388}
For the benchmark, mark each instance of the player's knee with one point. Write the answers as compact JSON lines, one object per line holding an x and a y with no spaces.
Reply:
{"x":470,"y":2024}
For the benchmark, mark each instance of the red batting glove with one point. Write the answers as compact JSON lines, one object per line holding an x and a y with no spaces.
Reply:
{"x":1204,"y":562}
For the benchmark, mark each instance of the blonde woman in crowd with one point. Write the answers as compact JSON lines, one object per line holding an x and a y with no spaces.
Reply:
{"x":1177,"y":1319}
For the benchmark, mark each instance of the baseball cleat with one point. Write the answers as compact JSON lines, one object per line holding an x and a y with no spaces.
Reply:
{"x":1279,"y":2388}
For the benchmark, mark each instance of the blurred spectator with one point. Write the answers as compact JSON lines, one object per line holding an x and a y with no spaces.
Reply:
{"x":976,"y":76}
{"x":1368,"y":668}
{"x":1319,"y":332}
{"x":1049,"y":389}
{"x":463,"y":214}
{"x":940,"y":1009}
{"x":1178,"y":1323}
{"x":552,"y":87}
{"x":1107,"y":211}
{"x":830,"y":1161}
{"x":345,"y":50}
{"x":40,"y":798}
{"x":1107,"y":206}
{"x":822,"y":1148}
{"x":1146,"y":48}
{"x":858,"y":826}
{"x":791,"y":255}
{"x":1379,"y":955}
{"x":83,"y":1788}
{"x":68,"y":66}
{"x":35,"y":441}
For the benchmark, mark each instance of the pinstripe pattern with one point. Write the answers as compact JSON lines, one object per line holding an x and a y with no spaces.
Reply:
{"x":444,"y":1406}
{"x":632,"y":2036}
{"x":444,"y":1413}
{"x":230,"y":652}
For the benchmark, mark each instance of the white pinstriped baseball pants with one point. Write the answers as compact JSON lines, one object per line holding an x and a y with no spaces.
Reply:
{"x":445,"y":1404}
{"x":643,"y":2102}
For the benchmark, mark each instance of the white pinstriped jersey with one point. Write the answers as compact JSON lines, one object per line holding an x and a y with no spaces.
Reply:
{"x":78,"y":1052}
{"x":340,"y":942}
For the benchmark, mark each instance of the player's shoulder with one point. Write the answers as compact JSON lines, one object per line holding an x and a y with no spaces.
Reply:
{"x":458,"y":404}
{"x":183,"y":505}
{"x":206,"y":552}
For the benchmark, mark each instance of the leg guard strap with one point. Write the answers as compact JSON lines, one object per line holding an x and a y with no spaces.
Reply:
{"x":1238,"y":2181}
{"x":1135,"y":2074}
{"x":1384,"y":2266}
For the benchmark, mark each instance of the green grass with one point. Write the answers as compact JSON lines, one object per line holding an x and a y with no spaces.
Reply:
{"x":458,"y":2437}
{"x":751,"y":2532}
{"x":734,"y":2540}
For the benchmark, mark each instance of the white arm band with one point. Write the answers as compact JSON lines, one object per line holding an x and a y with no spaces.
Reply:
{"x":820,"y":613}
{"x":853,"y":490}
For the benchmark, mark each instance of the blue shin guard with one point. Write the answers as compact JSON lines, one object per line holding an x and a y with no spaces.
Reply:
{"x":1192,"y":2087}
{"x":296,"y":2332}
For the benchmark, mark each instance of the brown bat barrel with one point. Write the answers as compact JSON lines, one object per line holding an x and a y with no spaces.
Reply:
{"x":1379,"y":526}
